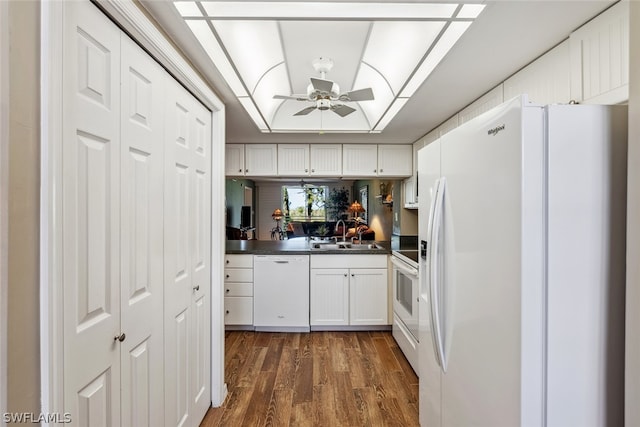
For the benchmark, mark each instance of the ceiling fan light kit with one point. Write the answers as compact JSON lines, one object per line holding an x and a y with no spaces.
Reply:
{"x":325,"y":92}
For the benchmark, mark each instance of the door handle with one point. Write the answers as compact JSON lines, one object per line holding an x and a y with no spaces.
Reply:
{"x":120,"y":337}
{"x":196,"y":288}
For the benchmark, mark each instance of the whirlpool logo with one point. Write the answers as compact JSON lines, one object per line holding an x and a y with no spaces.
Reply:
{"x":494,"y":131}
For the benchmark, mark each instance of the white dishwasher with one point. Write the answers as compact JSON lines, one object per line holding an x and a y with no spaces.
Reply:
{"x":281,"y":293}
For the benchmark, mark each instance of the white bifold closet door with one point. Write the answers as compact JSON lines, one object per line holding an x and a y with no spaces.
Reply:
{"x":136,"y":191}
{"x":187,"y":258}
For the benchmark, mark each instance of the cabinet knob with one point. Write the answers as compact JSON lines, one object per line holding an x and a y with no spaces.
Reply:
{"x":120,"y":337}
{"x":345,"y":274}
{"x":306,"y":170}
{"x":353,"y":275}
{"x":246,"y":170}
{"x":313,"y":170}
{"x":239,"y":170}
{"x":227,"y":261}
{"x":381,"y":170}
{"x":227,"y":312}
{"x":227,"y":276}
{"x":227,"y":291}
{"x":196,"y":288}
{"x":374,"y":171}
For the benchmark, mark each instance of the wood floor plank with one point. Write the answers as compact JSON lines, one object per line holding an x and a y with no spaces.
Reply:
{"x":339,"y":362}
{"x":346,"y":379}
{"x":256,"y":414}
{"x":274,"y":352}
{"x":303,"y":383}
{"x":286,"y":374}
{"x":279,"y":412}
{"x":322,"y":369}
{"x":302,"y":415}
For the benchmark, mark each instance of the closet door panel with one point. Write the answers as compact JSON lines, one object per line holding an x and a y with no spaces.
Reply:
{"x":142,"y":130}
{"x":201,"y":254}
{"x":179,"y":241}
{"x":91,"y":213}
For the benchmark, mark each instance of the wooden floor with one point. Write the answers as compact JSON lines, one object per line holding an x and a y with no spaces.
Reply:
{"x":316,"y":379}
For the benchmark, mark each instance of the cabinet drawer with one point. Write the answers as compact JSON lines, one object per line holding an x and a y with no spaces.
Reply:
{"x":238,"y":261}
{"x":238,"y":289}
{"x":238,"y":275}
{"x":238,"y":311}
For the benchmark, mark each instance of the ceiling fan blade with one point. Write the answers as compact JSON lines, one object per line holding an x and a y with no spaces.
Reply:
{"x":305,"y":111}
{"x":321,"y":85}
{"x":294,"y":96}
{"x":342,"y":110}
{"x":359,"y":95}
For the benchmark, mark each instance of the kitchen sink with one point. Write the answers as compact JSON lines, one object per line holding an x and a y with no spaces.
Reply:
{"x":343,"y":246}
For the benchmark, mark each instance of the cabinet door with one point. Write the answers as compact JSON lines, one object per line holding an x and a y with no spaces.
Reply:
{"x":261,"y":159}
{"x":234,"y":160}
{"x":326,"y":160}
{"x":410,"y":198}
{"x":329,"y":297}
{"x":238,"y":311}
{"x":293,"y":159}
{"x":600,"y":58}
{"x":368,"y":297}
{"x":395,"y":160}
{"x":359,"y":160}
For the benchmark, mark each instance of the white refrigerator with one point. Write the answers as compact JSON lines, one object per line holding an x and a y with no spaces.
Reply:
{"x":522,"y":233}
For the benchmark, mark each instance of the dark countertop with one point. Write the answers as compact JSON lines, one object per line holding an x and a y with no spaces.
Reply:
{"x":296,"y":246}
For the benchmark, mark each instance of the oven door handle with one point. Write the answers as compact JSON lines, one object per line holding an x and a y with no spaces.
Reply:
{"x":400,"y":265}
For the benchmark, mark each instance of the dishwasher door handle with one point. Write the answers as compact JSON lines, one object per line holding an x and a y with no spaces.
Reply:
{"x":281,"y":262}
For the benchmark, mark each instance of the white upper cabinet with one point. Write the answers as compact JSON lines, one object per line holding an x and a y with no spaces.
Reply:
{"x":600,"y":58}
{"x":261,"y":160}
{"x":234,"y":160}
{"x":314,"y":160}
{"x":547,"y":80}
{"x":359,"y":160}
{"x":395,"y":160}
{"x":326,"y":160}
{"x":293,"y":159}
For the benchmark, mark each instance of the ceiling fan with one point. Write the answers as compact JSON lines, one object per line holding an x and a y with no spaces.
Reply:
{"x":324,"y":93}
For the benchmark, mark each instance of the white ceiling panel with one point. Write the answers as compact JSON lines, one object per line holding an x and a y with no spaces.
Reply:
{"x":306,"y":40}
{"x":505,"y":37}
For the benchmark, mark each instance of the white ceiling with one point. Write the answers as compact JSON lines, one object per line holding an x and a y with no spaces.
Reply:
{"x":504,"y":38}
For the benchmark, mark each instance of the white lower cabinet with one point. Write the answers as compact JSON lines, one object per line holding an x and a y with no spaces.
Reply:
{"x":354,"y":294}
{"x":238,"y":290}
{"x":329,"y":296}
{"x":368,"y":291}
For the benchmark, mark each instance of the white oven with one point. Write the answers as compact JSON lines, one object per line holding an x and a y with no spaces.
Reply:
{"x":405,"y":308}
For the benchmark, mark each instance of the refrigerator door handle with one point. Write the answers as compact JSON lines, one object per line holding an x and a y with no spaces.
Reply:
{"x":435,"y":274}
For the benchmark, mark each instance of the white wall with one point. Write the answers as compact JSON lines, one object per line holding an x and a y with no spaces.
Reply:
{"x":23,"y":376}
{"x":632,"y":373}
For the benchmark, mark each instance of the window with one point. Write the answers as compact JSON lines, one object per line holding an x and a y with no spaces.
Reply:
{"x":304,"y":203}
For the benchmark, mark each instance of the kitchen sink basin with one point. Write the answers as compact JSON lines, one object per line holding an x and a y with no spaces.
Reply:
{"x":343,"y":246}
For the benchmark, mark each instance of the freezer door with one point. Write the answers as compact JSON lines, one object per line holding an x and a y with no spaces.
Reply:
{"x":429,"y":368}
{"x":482,"y":164}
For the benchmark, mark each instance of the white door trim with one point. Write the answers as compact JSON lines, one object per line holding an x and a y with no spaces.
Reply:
{"x":130,"y":17}
{"x":4,"y":198}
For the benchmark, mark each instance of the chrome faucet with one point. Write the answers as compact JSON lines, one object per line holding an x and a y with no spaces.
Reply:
{"x":344,"y":229}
